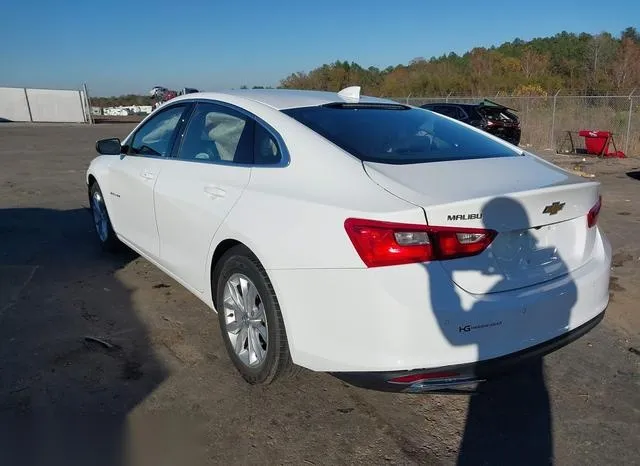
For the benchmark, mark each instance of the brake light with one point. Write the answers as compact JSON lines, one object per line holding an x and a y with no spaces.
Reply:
{"x":384,"y":243}
{"x":592,"y":216}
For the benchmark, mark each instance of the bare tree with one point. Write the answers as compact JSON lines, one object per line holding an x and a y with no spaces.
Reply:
{"x":600,"y":53}
{"x":533,"y":63}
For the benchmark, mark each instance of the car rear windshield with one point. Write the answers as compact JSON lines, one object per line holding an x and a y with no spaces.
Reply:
{"x":397,"y":134}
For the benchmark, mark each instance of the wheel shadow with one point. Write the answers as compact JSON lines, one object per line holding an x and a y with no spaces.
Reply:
{"x":75,"y":357}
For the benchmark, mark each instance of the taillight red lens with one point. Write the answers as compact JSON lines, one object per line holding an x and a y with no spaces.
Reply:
{"x":461,"y":242}
{"x":413,"y":378}
{"x":385,"y":243}
{"x":377,"y":242}
{"x":592,"y":216}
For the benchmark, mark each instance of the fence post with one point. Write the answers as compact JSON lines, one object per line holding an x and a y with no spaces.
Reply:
{"x":86,"y":96}
{"x":83,"y":106}
{"x":553,"y":121}
{"x":447,"y":98}
{"x":26,"y":99}
{"x":626,"y":140}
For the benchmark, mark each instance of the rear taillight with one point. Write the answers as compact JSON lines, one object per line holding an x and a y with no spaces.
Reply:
{"x":592,"y":216}
{"x":384,"y":243}
{"x":461,"y":242}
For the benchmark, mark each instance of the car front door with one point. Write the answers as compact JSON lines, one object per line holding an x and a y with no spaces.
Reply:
{"x":196,"y":192}
{"x":134,"y":175}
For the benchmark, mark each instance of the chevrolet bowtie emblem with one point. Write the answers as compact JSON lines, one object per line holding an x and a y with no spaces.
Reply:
{"x":554,"y":208}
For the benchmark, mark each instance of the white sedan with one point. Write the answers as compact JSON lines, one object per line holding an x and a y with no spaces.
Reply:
{"x":394,"y":247}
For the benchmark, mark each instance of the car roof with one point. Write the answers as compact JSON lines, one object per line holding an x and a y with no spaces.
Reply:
{"x":281,"y":99}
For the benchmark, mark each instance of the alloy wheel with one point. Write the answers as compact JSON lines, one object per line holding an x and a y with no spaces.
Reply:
{"x":100,"y":216}
{"x":246,"y":320}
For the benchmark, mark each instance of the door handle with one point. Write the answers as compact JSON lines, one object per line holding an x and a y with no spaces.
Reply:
{"x":214,"y":191}
{"x":147,"y":175}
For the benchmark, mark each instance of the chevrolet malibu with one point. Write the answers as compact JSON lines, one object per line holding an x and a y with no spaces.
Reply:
{"x":391,"y":246}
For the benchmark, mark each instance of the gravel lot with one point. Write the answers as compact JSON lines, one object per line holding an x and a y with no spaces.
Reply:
{"x":162,"y":390}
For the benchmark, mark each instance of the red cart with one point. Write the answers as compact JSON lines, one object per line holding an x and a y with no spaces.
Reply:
{"x":599,"y":142}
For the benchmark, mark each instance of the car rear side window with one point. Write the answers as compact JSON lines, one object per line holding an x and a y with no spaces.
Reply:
{"x":217,"y":134}
{"x":397,"y":134}
{"x":266,"y":149}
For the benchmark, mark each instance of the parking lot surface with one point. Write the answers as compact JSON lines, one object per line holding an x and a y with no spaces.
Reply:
{"x":106,"y":360}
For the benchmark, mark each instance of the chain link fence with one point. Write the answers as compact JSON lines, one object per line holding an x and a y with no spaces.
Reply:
{"x":546,"y":120}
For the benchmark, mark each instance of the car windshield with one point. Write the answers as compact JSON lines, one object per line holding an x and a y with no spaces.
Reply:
{"x":397,"y":134}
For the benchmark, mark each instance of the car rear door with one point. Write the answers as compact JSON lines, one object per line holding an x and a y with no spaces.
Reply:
{"x":133,"y":176}
{"x":195,"y":193}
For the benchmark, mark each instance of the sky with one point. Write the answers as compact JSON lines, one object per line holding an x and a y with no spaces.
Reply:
{"x":120,"y":47}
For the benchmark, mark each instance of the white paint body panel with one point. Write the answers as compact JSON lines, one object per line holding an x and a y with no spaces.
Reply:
{"x":339,"y":315}
{"x":192,"y":200}
{"x":130,"y":197}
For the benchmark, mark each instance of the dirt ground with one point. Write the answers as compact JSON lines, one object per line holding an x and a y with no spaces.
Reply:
{"x":105,"y":360}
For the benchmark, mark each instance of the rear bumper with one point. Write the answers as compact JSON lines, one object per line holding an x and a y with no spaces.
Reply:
{"x":448,"y":378}
{"x":412,"y":317}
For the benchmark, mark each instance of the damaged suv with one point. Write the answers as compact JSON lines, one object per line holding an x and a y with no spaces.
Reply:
{"x":489,"y":116}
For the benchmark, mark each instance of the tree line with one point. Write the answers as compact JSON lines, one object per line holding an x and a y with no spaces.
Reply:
{"x":581,"y":63}
{"x":584,"y":64}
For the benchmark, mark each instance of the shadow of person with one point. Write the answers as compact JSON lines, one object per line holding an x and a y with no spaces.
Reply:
{"x":509,"y":417}
{"x":64,"y":399}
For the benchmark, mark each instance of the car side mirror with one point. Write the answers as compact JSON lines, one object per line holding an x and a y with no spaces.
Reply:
{"x":111,"y":146}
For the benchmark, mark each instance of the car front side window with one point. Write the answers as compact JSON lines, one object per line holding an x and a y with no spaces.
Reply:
{"x":155,"y":137}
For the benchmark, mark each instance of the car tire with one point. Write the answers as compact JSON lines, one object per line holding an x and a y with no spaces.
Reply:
{"x":241,"y":283}
{"x":101,"y":221}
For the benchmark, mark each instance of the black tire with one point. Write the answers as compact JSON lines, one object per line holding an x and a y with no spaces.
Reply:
{"x":109,"y":241}
{"x":277,"y":362}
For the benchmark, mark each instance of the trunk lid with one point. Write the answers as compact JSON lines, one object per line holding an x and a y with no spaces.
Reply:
{"x":538,"y":210}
